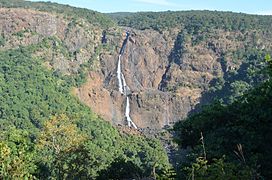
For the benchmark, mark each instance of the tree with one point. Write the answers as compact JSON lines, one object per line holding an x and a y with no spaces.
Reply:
{"x":59,"y":139}
{"x":17,"y":155}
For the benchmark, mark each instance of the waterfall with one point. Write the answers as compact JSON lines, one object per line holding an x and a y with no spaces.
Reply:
{"x":119,"y":75}
{"x":123,"y":87}
{"x":124,"y":84}
{"x":128,"y":116}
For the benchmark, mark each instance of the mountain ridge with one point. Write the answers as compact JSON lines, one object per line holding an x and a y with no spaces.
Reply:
{"x":57,"y":53}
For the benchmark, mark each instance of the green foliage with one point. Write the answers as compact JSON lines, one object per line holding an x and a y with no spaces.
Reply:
{"x":245,"y":123}
{"x":238,"y":88}
{"x":68,"y":140}
{"x":121,"y":169}
{"x":17,"y":155}
{"x":235,"y":83}
{"x":217,"y":169}
{"x":30,"y":94}
{"x":217,"y":85}
{"x":193,"y":21}
{"x":2,"y":41}
{"x":151,"y":156}
{"x":19,"y":34}
{"x":269,"y":62}
{"x":56,"y":137}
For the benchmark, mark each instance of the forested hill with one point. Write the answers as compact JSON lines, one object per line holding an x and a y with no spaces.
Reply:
{"x":46,"y":132}
{"x":62,"y":116}
{"x":193,"y":21}
{"x":229,"y":139}
{"x":233,"y":141}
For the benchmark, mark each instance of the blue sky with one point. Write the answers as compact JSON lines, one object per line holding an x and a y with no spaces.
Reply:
{"x":245,"y":6}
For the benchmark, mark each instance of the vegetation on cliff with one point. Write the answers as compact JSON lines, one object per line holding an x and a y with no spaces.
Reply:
{"x":237,"y":41}
{"x":231,"y":140}
{"x":46,"y":132}
{"x":94,"y":17}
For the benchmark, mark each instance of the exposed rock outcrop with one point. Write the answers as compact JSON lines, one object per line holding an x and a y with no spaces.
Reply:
{"x":68,"y":42}
{"x":167,"y":73}
{"x":167,"y":76}
{"x":144,"y":64}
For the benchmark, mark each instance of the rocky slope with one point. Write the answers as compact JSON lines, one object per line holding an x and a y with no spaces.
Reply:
{"x":65,"y":43}
{"x":144,"y":64}
{"x":167,"y":72}
{"x":166,"y":85}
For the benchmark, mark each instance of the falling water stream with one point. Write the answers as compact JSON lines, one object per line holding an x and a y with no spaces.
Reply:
{"x":119,"y":75}
{"x":123,"y":87}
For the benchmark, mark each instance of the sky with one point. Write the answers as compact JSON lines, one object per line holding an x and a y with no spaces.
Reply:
{"x":245,"y":6}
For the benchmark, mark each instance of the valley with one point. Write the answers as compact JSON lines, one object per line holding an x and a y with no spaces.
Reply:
{"x":89,"y":95}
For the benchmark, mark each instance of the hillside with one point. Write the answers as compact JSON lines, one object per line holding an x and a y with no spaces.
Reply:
{"x":193,"y":21}
{"x":46,"y":132}
{"x":236,"y":137}
{"x":171,"y":70}
{"x":68,"y":99}
{"x":174,"y":69}
{"x":68,"y":12}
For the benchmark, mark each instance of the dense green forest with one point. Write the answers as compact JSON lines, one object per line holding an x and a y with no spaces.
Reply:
{"x":192,"y":21}
{"x":230,"y":141}
{"x":47,"y":133}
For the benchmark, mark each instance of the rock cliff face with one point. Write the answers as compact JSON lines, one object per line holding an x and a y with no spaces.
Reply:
{"x":68,"y":43}
{"x":145,"y":62}
{"x":166,"y":72}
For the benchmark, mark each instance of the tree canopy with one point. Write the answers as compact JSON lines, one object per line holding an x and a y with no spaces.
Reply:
{"x":237,"y":135}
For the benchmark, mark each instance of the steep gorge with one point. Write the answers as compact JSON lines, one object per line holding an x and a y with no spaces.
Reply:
{"x":167,"y":76}
{"x":169,"y":72}
{"x":142,"y":75}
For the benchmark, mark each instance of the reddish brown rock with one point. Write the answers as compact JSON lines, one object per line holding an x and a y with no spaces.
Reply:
{"x":166,"y":82}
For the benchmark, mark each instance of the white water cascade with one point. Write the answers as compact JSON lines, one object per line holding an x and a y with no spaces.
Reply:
{"x":123,"y":87}
{"x":129,"y":120}
{"x":119,"y":75}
